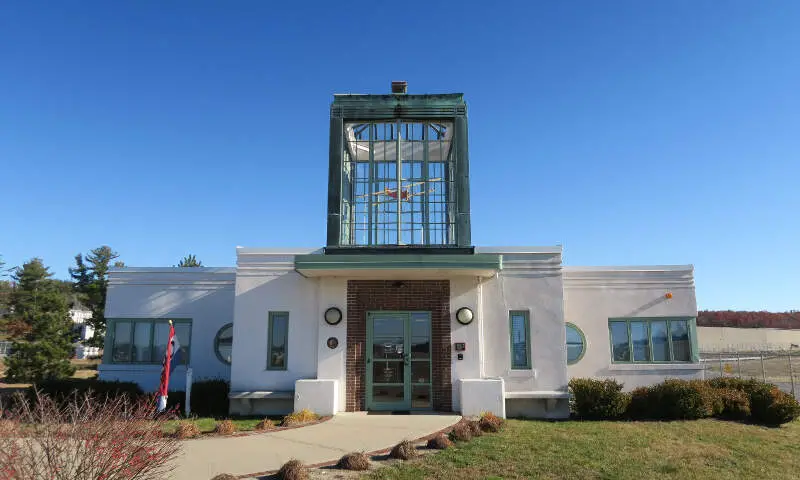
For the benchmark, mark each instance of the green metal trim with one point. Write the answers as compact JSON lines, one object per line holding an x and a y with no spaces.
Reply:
{"x":527,"y":322}
{"x":216,"y":343}
{"x":285,"y":366}
{"x":335,"y":181}
{"x":583,"y":341}
{"x":379,"y":107}
{"x":408,"y":382}
{"x":489,"y":261}
{"x":692,"y":321}
{"x":461,"y":182}
{"x":111,"y":324}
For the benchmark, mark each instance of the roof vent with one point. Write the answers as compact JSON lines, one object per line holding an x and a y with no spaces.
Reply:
{"x":400,"y":87}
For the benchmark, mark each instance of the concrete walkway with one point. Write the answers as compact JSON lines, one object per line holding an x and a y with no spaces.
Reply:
{"x":327,"y":441}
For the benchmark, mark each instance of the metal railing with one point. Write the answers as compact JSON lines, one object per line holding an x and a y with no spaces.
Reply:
{"x":781,"y":367}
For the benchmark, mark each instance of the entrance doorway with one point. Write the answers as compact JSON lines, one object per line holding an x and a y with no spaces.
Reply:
{"x":398,"y":361}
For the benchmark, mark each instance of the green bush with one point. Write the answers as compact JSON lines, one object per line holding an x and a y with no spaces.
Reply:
{"x":676,"y":399}
{"x":210,"y":398}
{"x":598,"y":399}
{"x":741,"y":384}
{"x":640,"y":406}
{"x":772,"y":407}
{"x":735,"y":404}
{"x":61,"y":390}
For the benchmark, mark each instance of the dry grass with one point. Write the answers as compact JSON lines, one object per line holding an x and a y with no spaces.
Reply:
{"x":225,"y":427}
{"x":701,"y":449}
{"x":404,"y":450}
{"x":264,"y":425}
{"x":461,"y":433}
{"x":293,"y":470}
{"x":358,"y":461}
{"x":187,"y":429}
{"x":299,"y":418}
{"x":489,"y":422}
{"x":439,"y":442}
{"x":475,"y":428}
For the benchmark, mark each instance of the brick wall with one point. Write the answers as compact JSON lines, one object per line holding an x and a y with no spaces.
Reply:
{"x":422,"y":295}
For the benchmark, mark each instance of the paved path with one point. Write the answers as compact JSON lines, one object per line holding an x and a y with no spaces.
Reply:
{"x":346,"y":432}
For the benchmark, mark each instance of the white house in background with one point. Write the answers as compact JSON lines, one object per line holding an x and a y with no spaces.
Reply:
{"x":400,"y":312}
{"x":80,"y":318}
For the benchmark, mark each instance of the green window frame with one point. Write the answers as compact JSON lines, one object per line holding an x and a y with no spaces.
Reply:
{"x":664,"y":351}
{"x":278,"y":341}
{"x":583,"y":342}
{"x":121,"y":345}
{"x":519,"y":339}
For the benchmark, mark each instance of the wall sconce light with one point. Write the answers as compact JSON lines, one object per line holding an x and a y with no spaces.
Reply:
{"x":668,"y":295}
{"x":464,"y":316}
{"x":333,"y":316}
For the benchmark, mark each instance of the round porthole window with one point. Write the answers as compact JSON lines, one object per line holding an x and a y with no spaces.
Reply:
{"x":223,"y":344}
{"x":576,"y":344}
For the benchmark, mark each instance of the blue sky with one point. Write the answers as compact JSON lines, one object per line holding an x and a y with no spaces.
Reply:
{"x":630,"y":132}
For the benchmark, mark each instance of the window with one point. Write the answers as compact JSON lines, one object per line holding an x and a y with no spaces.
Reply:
{"x":145,"y":340}
{"x":576,"y":344}
{"x":278,"y":349}
{"x":650,"y":340}
{"x":520,"y":330}
{"x":223,"y":343}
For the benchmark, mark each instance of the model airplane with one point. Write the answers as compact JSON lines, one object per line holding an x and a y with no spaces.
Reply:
{"x":406,"y":191}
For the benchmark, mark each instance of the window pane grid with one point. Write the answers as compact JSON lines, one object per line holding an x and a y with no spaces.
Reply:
{"x":144,"y":341}
{"x":372,"y":194}
{"x":658,"y":340}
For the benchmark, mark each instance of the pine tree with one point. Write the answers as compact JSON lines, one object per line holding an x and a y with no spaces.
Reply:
{"x":190,"y":261}
{"x":91,"y":283}
{"x":41,"y":345}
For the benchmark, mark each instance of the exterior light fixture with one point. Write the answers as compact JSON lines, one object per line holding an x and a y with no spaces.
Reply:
{"x":668,"y":295}
{"x":333,"y":316}
{"x":464,"y":316}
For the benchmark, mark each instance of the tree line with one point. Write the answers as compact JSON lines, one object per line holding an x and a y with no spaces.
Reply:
{"x":34,"y":308}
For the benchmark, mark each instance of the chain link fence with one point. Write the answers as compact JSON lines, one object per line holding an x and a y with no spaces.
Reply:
{"x":781,"y":367}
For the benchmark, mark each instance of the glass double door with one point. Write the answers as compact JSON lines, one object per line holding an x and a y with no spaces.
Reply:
{"x":398,"y":361}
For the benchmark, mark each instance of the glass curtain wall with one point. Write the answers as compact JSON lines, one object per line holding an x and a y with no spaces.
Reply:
{"x":397,"y":184}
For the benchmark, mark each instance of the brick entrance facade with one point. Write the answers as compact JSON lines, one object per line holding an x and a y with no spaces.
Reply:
{"x":371,"y":295}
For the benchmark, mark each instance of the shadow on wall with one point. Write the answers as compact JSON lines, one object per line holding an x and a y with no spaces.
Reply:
{"x":647,"y":306}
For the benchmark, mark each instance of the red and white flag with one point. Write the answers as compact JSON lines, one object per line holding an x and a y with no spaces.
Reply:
{"x":171,"y":354}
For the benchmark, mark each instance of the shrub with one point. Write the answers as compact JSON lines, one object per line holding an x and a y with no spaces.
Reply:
{"x":475,"y":428}
{"x":773,"y":407}
{"x":354,"y":461}
{"x":598,"y":399}
{"x":439,"y":442}
{"x":404,"y":450}
{"x":293,"y":470}
{"x":489,"y":422}
{"x":66,"y":389}
{"x":210,"y":398}
{"x":87,"y":438}
{"x":224,"y":476}
{"x":735,"y":404}
{"x":741,"y":384}
{"x":225,"y":427}
{"x":265,"y":424}
{"x":186,"y":430}
{"x":640,"y":406}
{"x":461,"y":433}
{"x":299,"y":418}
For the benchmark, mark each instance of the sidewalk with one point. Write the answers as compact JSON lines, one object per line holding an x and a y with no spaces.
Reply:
{"x":346,"y":432}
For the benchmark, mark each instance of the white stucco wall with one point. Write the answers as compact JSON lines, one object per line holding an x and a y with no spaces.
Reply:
{"x":592,"y":295}
{"x":267,"y":282}
{"x":204,"y":295}
{"x":532,"y":282}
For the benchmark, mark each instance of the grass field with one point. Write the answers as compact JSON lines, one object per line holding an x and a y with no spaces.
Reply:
{"x":207,"y":424}
{"x":705,"y":449}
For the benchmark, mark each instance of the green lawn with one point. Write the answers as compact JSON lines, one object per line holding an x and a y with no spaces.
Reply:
{"x":207,"y":424}
{"x":616,"y":450}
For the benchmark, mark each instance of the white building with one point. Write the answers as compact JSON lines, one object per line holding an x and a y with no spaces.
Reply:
{"x":401,"y":312}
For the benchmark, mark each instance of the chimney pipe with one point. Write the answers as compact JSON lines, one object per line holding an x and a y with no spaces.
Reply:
{"x":400,"y":87}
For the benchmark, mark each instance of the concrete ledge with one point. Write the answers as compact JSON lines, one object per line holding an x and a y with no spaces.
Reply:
{"x":275,"y":395}
{"x":319,"y":396}
{"x":543,"y":394}
{"x":663,"y":367}
{"x":483,"y":395}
